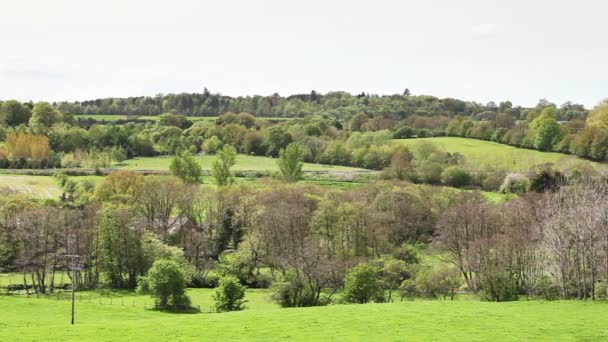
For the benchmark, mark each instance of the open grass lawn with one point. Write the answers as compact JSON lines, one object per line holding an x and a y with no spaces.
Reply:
{"x":243,"y":163}
{"x":35,"y":186}
{"x":33,"y":319}
{"x":481,"y":154}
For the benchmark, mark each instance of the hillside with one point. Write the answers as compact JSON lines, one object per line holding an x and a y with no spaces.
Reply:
{"x":480,"y":154}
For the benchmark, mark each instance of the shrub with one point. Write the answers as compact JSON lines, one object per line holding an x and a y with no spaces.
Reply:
{"x":492,"y":181}
{"x":364,"y":284}
{"x":515,"y":184}
{"x":212,"y":145}
{"x":547,"y":289}
{"x":229,"y":295}
{"x":601,"y":291}
{"x":439,"y":282}
{"x":201,"y":279}
{"x":166,"y":283}
{"x":292,"y":292}
{"x":455,"y":176}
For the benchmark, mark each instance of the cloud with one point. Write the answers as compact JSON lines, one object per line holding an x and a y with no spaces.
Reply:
{"x":31,"y":70}
{"x":480,"y":31}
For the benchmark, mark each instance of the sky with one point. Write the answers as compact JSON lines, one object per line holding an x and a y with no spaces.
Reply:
{"x":473,"y":50}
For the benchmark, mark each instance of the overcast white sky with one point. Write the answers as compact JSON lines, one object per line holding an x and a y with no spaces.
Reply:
{"x":474,"y":50}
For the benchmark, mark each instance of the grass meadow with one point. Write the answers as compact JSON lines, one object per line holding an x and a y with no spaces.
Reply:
{"x":483,"y":155}
{"x":47,"y":319}
{"x":243,"y":163}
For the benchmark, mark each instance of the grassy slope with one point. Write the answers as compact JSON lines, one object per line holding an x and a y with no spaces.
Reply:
{"x":36,"y":186}
{"x":31,"y":319}
{"x":486,"y":154}
{"x":243,"y":163}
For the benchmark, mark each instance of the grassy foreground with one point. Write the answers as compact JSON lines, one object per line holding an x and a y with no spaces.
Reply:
{"x":31,"y":319}
{"x":482,"y":154}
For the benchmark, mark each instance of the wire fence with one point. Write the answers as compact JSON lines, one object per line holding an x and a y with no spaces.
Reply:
{"x":63,"y":293}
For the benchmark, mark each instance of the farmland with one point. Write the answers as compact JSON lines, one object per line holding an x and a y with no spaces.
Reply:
{"x":481,"y":154}
{"x":27,"y":319}
{"x":243,"y":163}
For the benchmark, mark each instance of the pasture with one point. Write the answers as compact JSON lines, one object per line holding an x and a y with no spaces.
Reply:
{"x":35,"y":186}
{"x":487,"y":155}
{"x":32,"y":319}
{"x":243,"y":163}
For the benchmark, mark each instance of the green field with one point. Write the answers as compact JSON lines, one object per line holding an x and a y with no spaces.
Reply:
{"x":37,"y":319}
{"x":481,"y":154}
{"x":110,"y":117}
{"x":35,"y":186}
{"x":243,"y":163}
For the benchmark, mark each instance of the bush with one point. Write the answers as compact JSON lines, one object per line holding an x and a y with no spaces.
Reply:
{"x":229,"y":295}
{"x":166,"y":283}
{"x":293,"y":292}
{"x":455,"y":176}
{"x":498,"y":286}
{"x":515,"y":184}
{"x":212,"y":145}
{"x":492,"y":181}
{"x":439,"y":282}
{"x":601,"y":291}
{"x":364,"y":284}
{"x":201,"y":280}
{"x":547,"y":289}
{"x":408,"y":289}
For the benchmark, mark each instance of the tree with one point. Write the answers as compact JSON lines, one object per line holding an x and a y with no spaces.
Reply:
{"x":174,"y":120}
{"x":547,"y":134}
{"x":212,"y":145}
{"x":221,"y":166}
{"x":599,"y":116}
{"x":44,"y":115}
{"x":186,"y":168}
{"x":166,"y":283}
{"x":119,"y":247}
{"x":364,"y":284}
{"x":229,"y":295}
{"x":13,"y":113}
{"x":290,"y":162}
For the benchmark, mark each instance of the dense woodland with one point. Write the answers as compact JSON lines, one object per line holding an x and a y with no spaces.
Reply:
{"x":312,"y":245}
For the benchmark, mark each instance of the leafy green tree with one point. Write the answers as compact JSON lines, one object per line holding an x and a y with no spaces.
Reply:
{"x":212,"y":145}
{"x":119,"y":247}
{"x":599,"y":116}
{"x":276,"y":140}
{"x":547,"y":134}
{"x":364,"y":284}
{"x":13,"y":113}
{"x":174,"y":120}
{"x":186,"y":168}
{"x":230,"y":294}
{"x":44,"y":115}
{"x":221,"y":166}
{"x":290,"y":162}
{"x":166,"y":283}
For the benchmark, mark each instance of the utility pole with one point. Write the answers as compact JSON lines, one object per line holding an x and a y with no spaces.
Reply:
{"x":74,"y":267}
